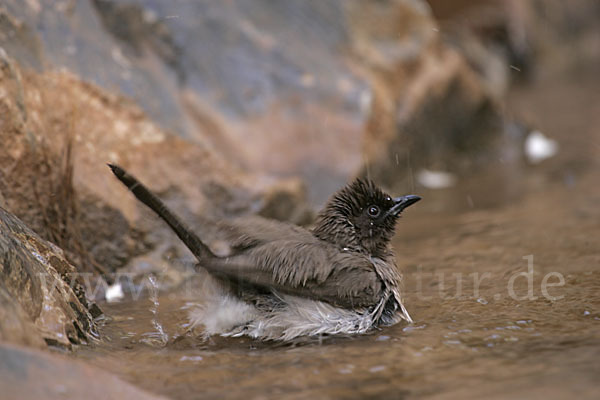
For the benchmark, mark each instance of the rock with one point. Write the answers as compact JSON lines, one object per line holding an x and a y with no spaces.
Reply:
{"x":281,"y":203}
{"x":311,"y":89}
{"x":259,"y":109}
{"x":15,"y":324}
{"x":78,"y":204}
{"x":430,"y":109}
{"x":532,"y":38}
{"x":562,"y":36}
{"x":30,"y":374}
{"x":40,"y":295}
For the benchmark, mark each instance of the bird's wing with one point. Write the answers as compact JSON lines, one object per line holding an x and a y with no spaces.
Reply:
{"x":242,"y":233}
{"x":312,"y":270}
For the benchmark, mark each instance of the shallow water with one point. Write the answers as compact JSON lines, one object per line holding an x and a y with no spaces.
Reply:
{"x":506,"y":299}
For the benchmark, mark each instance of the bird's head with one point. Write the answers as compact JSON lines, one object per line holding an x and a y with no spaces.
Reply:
{"x":361,"y":217}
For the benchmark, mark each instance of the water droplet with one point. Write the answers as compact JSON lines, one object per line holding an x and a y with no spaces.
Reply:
{"x":493,"y":337}
{"x":452,"y":342}
{"x":377,"y":368}
{"x":524,"y":321}
{"x":436,"y":179}
{"x":191,"y":358}
{"x":413,"y":328}
{"x":347,"y":369}
{"x":513,"y":327}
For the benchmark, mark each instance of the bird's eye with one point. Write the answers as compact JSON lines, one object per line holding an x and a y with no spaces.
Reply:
{"x":373,"y":211}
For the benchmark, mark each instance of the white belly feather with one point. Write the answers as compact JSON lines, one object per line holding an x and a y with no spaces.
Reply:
{"x":222,"y":313}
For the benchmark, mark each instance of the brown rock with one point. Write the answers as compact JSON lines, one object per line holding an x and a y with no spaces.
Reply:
{"x":15,"y":325}
{"x":429,"y":108}
{"x":39,"y":291}
{"x":310,"y":89}
{"x":319,"y":90}
{"x":30,"y":374}
{"x":533,"y":38}
{"x":54,"y":176}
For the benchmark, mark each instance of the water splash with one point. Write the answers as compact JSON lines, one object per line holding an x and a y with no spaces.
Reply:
{"x":159,"y":336}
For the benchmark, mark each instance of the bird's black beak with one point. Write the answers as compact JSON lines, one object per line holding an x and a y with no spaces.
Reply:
{"x":402,"y":202}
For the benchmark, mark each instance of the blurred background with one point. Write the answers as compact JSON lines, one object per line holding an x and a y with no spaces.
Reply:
{"x":488,"y":109}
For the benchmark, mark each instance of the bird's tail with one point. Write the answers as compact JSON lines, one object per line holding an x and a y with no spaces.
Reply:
{"x":143,"y":194}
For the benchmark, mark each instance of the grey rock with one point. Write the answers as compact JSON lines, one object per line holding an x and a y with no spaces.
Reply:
{"x":39,"y":291}
{"x":31,"y":374}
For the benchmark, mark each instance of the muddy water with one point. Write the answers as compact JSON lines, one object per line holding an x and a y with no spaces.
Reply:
{"x":506,"y":300}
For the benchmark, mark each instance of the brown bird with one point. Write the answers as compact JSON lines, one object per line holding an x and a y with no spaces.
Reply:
{"x":281,"y":281}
